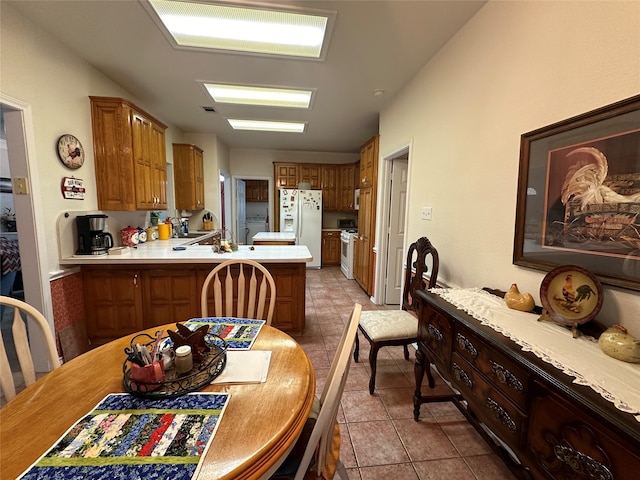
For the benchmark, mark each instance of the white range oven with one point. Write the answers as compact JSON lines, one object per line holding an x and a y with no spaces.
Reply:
{"x":347,"y":244}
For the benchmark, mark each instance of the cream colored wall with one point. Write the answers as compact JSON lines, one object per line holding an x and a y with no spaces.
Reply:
{"x":40,"y":72}
{"x":515,"y":67}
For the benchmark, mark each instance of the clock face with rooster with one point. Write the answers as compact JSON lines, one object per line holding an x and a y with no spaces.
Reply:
{"x":571,"y":295}
{"x":70,"y":151}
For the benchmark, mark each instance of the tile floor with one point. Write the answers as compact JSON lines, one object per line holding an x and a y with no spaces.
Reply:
{"x":380,"y":439}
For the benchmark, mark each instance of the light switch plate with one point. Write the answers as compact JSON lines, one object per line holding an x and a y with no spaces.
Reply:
{"x":20,"y":186}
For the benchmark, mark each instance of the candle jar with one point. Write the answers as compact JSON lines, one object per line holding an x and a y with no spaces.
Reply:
{"x":184,"y":359}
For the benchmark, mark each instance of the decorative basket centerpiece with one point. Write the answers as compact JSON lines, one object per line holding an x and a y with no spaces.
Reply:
{"x":225,"y":243}
{"x":149,"y":370}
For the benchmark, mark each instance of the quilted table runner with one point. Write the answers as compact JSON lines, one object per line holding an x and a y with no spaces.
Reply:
{"x":135,"y":438}
{"x":239,"y":333}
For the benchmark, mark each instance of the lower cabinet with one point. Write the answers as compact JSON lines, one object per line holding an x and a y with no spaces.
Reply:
{"x":113,"y":301}
{"x":120,"y":300}
{"x":331,"y":247}
{"x":168,"y":295}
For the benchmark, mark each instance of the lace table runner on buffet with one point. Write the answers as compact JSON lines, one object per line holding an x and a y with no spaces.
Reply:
{"x":135,"y":438}
{"x":581,"y":358}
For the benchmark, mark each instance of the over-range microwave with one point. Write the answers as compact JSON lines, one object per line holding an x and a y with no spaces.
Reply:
{"x":356,"y":199}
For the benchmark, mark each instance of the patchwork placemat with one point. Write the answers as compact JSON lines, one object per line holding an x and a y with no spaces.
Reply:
{"x":135,"y":438}
{"x":239,"y":333}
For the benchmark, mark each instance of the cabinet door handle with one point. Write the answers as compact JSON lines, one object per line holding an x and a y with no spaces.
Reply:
{"x":462,"y":376}
{"x":135,"y":280}
{"x":506,"y":377}
{"x":434,"y":333}
{"x":581,"y":463}
{"x":466,"y":345}
{"x":501,"y":414}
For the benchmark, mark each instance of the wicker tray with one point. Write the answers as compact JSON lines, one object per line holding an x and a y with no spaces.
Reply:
{"x":175,"y":385}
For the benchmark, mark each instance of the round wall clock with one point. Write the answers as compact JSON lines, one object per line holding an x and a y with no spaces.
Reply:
{"x":70,"y":151}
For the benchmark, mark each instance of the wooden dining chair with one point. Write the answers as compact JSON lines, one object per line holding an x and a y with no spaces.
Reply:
{"x":383,"y":328}
{"x":21,"y":342}
{"x":316,"y":454}
{"x":241,"y":288}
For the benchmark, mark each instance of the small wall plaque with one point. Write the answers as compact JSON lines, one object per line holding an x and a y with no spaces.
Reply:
{"x":72,"y":188}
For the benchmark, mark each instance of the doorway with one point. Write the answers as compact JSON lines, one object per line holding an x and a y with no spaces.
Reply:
{"x":252,"y":206}
{"x":17,"y":128}
{"x":392,"y":230}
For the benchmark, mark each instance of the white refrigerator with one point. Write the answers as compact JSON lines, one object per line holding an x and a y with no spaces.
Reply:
{"x":301,"y":214}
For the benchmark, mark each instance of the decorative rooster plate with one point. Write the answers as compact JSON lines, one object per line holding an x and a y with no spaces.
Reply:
{"x":571,"y":295}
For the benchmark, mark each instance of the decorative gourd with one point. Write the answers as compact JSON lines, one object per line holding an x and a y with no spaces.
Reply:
{"x":519,"y":301}
{"x":617,"y":343}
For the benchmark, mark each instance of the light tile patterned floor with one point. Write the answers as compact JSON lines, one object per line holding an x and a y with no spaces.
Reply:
{"x":380,"y":439}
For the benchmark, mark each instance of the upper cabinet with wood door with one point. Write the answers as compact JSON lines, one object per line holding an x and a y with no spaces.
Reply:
{"x":369,"y":163}
{"x":310,"y":173}
{"x":257,"y":190}
{"x":347,"y":180}
{"x":329,"y":177}
{"x":188,"y":167}
{"x":130,"y":156}
{"x":285,"y":175}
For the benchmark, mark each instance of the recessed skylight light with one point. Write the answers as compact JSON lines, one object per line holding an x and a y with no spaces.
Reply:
{"x":266,"y":126}
{"x":266,"y":30}
{"x":263,"y":96}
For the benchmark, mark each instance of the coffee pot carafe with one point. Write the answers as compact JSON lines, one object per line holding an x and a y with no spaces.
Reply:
{"x":92,"y":240}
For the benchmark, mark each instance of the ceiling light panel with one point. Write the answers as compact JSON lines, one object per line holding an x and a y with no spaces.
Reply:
{"x":243,"y":28}
{"x":262,"y":96}
{"x":266,"y":126}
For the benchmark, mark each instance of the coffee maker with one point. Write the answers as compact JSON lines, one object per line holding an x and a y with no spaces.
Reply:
{"x":91,"y":238}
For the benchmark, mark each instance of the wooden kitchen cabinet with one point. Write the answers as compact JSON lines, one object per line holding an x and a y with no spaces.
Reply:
{"x":257,"y":190}
{"x":168,"y":295}
{"x":310,"y":173}
{"x":329,"y":176}
{"x":121,"y":300}
{"x":188,"y":167}
{"x":113,"y":302}
{"x":369,"y":163}
{"x":364,"y":261}
{"x":129,"y":156}
{"x":286,"y":175}
{"x":330,"y":247}
{"x":347,"y":181}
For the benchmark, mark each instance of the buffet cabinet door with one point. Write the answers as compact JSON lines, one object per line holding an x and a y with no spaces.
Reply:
{"x":435,"y":332}
{"x":566,"y":442}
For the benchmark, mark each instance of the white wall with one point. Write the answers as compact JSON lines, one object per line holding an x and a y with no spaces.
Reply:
{"x":515,"y":67}
{"x":39,"y":71}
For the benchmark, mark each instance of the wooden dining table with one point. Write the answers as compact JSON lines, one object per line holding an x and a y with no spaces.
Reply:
{"x":261,"y":423}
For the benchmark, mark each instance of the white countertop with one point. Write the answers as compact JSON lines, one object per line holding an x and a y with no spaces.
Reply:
{"x":161,"y":252}
{"x":275,"y":236}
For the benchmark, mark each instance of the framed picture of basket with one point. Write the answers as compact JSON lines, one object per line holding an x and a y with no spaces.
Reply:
{"x":579,"y":195}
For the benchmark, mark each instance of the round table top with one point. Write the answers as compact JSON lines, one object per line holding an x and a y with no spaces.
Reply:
{"x":261,"y":422}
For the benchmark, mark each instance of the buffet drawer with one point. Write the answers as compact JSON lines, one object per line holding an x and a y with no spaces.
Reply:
{"x":509,"y":377}
{"x":488,"y":403}
{"x":435,"y":332}
{"x":569,"y":443}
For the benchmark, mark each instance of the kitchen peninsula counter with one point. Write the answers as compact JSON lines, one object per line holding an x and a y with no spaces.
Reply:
{"x":161,"y":252}
{"x":155,"y":285}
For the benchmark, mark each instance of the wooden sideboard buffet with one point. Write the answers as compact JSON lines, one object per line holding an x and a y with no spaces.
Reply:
{"x":555,"y":428}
